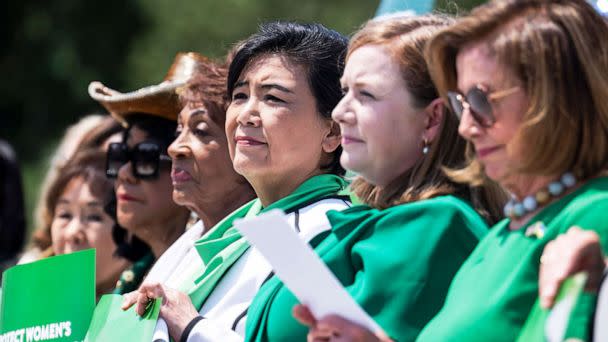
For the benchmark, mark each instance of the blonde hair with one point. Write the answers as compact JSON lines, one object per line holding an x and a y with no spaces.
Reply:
{"x":558,"y":49}
{"x":405,"y":37}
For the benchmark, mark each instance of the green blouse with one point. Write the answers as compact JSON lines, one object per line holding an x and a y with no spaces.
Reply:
{"x":493,"y":293}
{"x":396,"y":263}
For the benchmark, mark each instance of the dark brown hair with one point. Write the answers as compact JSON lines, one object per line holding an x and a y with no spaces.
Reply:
{"x":89,"y":165}
{"x":208,"y":87}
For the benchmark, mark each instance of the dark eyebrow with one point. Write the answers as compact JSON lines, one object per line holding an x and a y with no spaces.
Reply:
{"x":240,"y":84}
{"x":94,"y":204}
{"x":198,"y":112}
{"x":276,"y":86}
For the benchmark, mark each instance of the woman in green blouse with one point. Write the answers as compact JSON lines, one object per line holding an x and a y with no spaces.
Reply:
{"x":531,"y":97}
{"x":396,"y":255}
{"x":282,"y":83}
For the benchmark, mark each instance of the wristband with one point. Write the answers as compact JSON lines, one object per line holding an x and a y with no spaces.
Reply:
{"x":189,"y":328}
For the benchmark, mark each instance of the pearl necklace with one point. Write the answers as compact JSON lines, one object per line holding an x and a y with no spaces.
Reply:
{"x":515,"y":209}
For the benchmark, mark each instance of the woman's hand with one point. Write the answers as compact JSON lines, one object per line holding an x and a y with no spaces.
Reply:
{"x":334,"y":328}
{"x":577,"y":250}
{"x":176,"y":309}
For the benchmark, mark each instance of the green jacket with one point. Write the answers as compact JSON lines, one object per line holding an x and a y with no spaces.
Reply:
{"x":396,"y":263}
{"x":493,"y":293}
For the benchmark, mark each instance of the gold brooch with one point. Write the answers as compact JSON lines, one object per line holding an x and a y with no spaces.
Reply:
{"x":536,"y":230}
{"x":128,"y":276}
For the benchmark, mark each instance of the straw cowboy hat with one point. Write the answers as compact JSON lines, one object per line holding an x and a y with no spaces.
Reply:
{"x":161,"y":99}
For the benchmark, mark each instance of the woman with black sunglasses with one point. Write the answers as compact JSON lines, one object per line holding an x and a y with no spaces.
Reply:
{"x":144,"y":189}
{"x":152,"y":221}
{"x":144,"y":206}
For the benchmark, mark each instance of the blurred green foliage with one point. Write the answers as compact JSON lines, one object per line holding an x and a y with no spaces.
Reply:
{"x":51,"y":50}
{"x":213,"y":27}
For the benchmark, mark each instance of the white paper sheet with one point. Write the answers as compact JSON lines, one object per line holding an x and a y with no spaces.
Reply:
{"x":300,"y":269}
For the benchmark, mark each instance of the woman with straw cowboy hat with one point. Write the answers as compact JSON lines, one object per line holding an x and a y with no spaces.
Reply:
{"x":159,"y":100}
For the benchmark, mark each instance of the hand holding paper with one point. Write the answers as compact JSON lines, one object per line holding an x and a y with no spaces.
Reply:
{"x":300,"y":269}
{"x":111,"y":323}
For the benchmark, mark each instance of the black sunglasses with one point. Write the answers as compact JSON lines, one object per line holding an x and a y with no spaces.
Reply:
{"x":145,"y":159}
{"x":478,"y":101}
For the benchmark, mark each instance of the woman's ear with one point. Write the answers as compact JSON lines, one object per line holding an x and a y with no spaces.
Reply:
{"x":434,"y":117}
{"x":332,"y":139}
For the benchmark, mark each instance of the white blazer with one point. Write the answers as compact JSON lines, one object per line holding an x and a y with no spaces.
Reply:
{"x":225,"y":310}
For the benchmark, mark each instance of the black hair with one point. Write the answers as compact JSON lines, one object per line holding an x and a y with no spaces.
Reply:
{"x":161,"y":131}
{"x":319,"y":50}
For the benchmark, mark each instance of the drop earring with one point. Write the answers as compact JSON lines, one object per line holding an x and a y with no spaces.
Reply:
{"x":425,"y":149}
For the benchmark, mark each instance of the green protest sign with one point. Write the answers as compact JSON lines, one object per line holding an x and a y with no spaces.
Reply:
{"x":111,"y":323}
{"x":48,"y":300}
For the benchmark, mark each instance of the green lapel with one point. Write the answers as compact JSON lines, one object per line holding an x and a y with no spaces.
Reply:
{"x":222,"y":246}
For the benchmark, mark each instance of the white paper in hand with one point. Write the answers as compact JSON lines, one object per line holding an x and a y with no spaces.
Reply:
{"x":300,"y":269}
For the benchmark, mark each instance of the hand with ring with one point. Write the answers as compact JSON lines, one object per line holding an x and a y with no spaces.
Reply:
{"x":177,"y":309}
{"x":575,"y":251}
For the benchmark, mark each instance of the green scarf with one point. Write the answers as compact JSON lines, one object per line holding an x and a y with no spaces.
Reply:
{"x":222,"y":246}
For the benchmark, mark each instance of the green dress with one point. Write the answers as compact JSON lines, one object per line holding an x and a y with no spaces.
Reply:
{"x":396,"y":263}
{"x":493,"y":293}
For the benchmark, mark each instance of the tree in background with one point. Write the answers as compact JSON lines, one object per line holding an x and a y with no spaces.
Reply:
{"x":12,"y":215}
{"x":212,"y":27}
{"x":50,"y":52}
